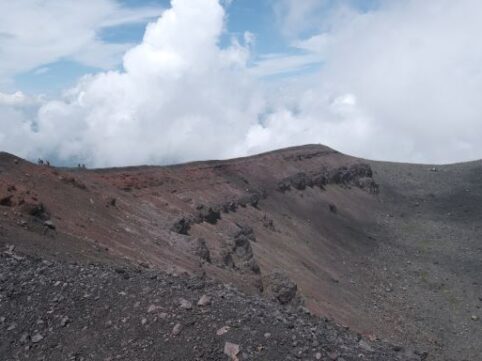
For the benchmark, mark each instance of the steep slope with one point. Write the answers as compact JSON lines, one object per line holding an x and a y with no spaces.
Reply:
{"x":352,"y":240}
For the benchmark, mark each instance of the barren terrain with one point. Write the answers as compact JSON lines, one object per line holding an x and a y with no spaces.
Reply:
{"x":359,"y":259}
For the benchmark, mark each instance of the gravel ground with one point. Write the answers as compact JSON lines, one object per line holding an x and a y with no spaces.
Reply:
{"x":428,"y":263}
{"x":57,"y":311}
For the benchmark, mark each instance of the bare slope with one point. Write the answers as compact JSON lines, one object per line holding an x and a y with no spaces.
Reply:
{"x":388,"y":261}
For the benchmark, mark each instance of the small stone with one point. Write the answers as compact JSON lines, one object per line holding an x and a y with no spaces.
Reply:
{"x":222,"y":330}
{"x":280,"y":287}
{"x":231,"y":350}
{"x":365,"y":346}
{"x":177,"y":329}
{"x":318,"y":356}
{"x":24,"y":338}
{"x":204,"y":301}
{"x":267,"y":335}
{"x":64,"y":321}
{"x":13,"y":326}
{"x":474,"y":318}
{"x":143,"y":321}
{"x":163,"y":315}
{"x":152,"y":308}
{"x":37,"y":338}
{"x":185,"y":304}
{"x":49,"y":224}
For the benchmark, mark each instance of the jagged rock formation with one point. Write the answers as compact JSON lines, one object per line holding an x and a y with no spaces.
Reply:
{"x":278,"y":286}
{"x":240,"y":251}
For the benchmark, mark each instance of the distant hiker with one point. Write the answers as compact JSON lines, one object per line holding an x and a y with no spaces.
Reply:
{"x":40,"y":162}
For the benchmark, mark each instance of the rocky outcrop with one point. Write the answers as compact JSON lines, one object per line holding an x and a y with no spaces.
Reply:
{"x":202,"y":250}
{"x":238,"y":252}
{"x":208,"y":214}
{"x":204,"y":214}
{"x":279,"y":287}
{"x":298,"y":181}
{"x":212,"y":214}
{"x":252,"y":199}
{"x":245,"y":232}
{"x":230,"y":206}
{"x":358,"y":175}
{"x":182,"y":226}
{"x":320,"y":180}
{"x":368,"y":184}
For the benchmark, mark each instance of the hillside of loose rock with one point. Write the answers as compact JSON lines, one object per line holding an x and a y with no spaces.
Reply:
{"x":391,"y":252}
{"x":57,"y":311}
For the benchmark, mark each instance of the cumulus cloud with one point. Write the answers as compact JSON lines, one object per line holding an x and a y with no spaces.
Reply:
{"x":34,"y":33}
{"x":415,"y":70}
{"x":410,"y":70}
{"x":402,"y":82}
{"x":16,"y":113}
{"x":17,"y":99}
{"x":180,"y":97}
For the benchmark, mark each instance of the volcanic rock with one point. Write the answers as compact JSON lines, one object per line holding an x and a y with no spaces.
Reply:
{"x":278,"y":286}
{"x":204,"y":301}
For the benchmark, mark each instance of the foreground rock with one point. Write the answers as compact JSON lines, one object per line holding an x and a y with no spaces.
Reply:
{"x":279,"y":287}
{"x":94,"y":313}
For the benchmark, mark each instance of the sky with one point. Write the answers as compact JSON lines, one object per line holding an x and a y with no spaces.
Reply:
{"x":114,"y":83}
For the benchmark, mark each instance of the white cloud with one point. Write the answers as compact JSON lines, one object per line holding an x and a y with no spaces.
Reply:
{"x":16,"y":112}
{"x":278,"y":64}
{"x":18,"y":99}
{"x":403,"y":82}
{"x":414,"y":69}
{"x":42,"y":70}
{"x":12,"y":99}
{"x":296,"y":16}
{"x":180,"y":97}
{"x":35,"y":33}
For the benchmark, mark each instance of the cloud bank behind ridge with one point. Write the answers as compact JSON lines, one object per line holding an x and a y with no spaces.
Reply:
{"x":402,"y":82}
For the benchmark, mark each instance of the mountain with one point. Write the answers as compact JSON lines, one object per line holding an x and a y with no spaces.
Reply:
{"x":387,"y":254}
